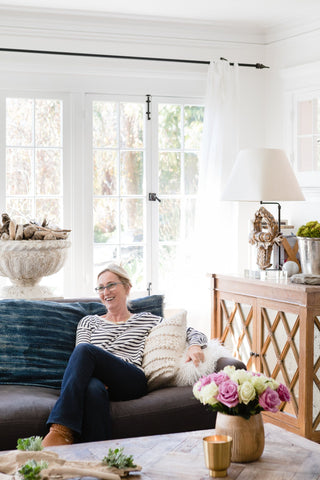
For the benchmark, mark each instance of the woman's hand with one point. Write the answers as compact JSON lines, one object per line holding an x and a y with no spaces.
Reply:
{"x":195,"y":354}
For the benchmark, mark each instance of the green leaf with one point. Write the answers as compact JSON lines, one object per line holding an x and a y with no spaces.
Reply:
{"x":31,"y":470}
{"x":30,"y":443}
{"x":116,"y":458}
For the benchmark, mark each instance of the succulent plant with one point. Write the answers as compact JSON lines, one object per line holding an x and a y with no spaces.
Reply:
{"x":310,"y":229}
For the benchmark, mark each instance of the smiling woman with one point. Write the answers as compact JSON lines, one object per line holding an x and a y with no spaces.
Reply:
{"x":106,"y":364}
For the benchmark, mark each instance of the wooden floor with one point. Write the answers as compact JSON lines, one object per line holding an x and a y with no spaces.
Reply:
{"x":286,"y":456}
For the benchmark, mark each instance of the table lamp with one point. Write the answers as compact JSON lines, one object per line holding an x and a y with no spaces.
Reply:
{"x":263,"y":175}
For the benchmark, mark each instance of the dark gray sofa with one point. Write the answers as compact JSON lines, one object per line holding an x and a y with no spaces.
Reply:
{"x":24,"y":408}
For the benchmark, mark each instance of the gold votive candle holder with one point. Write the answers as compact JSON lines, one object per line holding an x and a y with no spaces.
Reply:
{"x":217,"y":454}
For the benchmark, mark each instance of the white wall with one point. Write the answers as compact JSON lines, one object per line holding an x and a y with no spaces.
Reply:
{"x":295,"y":69}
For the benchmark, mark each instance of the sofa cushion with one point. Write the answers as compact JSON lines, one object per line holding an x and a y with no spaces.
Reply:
{"x":164,"y":345}
{"x":152,"y":304}
{"x":166,"y":410}
{"x":38,"y":337}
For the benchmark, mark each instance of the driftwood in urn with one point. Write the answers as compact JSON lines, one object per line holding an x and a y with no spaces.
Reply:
{"x":30,"y":231}
{"x":264,"y":239}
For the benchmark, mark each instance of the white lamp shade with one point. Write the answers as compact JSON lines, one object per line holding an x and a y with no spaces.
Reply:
{"x":262,"y":174}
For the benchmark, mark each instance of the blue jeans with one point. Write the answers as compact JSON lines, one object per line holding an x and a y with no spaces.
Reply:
{"x":83,"y":405}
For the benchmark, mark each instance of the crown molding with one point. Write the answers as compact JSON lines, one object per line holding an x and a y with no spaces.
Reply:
{"x":53,"y":23}
{"x":29,"y":23}
{"x":284,"y":31}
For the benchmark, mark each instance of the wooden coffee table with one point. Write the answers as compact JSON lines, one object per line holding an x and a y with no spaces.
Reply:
{"x":179,"y":456}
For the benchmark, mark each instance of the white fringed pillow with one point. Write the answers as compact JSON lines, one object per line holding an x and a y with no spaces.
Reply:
{"x":165,"y":343}
{"x":188,"y":373}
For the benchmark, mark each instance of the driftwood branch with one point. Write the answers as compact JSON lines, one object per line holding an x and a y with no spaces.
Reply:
{"x":30,"y":231}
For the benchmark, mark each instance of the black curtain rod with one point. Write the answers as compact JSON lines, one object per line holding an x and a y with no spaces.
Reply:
{"x":125,"y":57}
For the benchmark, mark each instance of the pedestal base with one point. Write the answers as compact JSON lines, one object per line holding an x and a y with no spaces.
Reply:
{"x":37,"y":292}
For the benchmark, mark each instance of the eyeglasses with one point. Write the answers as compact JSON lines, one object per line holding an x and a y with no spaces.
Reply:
{"x":109,"y":287}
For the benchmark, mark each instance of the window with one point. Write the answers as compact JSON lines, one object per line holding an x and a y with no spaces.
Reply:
{"x":308,"y":134}
{"x":98,"y":184}
{"x":34,"y":156}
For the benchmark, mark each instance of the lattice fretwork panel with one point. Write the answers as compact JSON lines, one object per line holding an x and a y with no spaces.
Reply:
{"x":237,"y":329}
{"x":279,"y":353}
{"x":316,"y":376}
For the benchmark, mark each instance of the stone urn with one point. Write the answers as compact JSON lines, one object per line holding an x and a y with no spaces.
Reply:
{"x":26,"y":262}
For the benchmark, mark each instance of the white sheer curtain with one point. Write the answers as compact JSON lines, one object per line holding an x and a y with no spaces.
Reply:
{"x":216,"y":225}
{"x":215,"y":242}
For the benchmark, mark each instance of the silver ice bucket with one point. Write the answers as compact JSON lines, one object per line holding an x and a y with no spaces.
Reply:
{"x":309,"y":250}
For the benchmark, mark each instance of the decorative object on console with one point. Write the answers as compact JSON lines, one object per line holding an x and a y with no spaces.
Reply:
{"x":240,"y":393}
{"x":309,"y":247}
{"x":263,"y":175}
{"x":28,"y":253}
{"x":264,"y":240}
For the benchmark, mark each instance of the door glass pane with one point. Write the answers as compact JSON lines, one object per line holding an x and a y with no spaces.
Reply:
{"x":131,"y":125}
{"x":48,"y":167}
{"x":48,"y":116}
{"x":19,"y":122}
{"x":179,"y":133}
{"x":119,"y":186}
{"x":191,"y":169}
{"x":131,"y":220}
{"x":169,"y":220}
{"x":49,"y":208}
{"x":193,"y":126}
{"x":105,"y":124}
{"x":169,"y":126}
{"x":19,"y":178}
{"x":105,"y":218}
{"x":131,"y":173}
{"x":169,"y":172}
{"x":104,"y":172}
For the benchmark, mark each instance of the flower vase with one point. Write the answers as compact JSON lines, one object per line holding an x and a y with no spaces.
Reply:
{"x":247,"y":435}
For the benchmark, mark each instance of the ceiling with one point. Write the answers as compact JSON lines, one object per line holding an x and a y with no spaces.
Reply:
{"x":261,"y":14}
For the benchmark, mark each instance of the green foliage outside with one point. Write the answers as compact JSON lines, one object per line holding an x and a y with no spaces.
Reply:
{"x":310,"y":229}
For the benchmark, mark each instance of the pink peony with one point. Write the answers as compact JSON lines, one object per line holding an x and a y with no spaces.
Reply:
{"x":269,"y":400}
{"x":228,"y":393}
{"x":283,"y":393}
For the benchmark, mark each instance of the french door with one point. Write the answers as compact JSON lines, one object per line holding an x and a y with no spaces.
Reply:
{"x":144,"y":155}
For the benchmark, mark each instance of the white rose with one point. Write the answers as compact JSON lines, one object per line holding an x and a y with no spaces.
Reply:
{"x":241,"y":376}
{"x":208,"y":393}
{"x":247,"y":392}
{"x":229,"y":370}
{"x":259,"y":383}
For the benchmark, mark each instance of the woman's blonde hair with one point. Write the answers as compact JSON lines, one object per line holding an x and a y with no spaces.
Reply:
{"x":119,"y":271}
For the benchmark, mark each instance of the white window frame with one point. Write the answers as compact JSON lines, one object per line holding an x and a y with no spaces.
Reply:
{"x":67,"y":201}
{"x":309,"y":181}
{"x":77,"y":180}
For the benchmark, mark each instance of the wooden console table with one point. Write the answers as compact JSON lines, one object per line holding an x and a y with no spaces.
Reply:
{"x":274,"y":328}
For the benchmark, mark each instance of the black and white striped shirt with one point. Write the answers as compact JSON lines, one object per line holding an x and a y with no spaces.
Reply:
{"x":126,"y":340}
